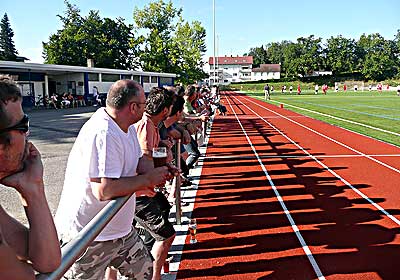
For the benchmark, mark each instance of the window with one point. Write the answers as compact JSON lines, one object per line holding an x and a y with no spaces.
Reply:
{"x":110,"y":77}
{"x":146,"y":79}
{"x":166,"y":81}
{"x":125,"y":77}
{"x":93,"y":77}
{"x":136,"y":78}
{"x":154,"y":80}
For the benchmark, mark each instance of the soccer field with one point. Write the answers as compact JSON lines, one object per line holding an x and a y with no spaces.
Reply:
{"x":370,"y":113}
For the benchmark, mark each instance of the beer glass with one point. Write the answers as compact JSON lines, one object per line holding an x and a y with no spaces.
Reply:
{"x":192,"y":230}
{"x":159,"y":156}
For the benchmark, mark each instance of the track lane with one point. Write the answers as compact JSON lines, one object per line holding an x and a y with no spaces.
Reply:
{"x":243,"y":231}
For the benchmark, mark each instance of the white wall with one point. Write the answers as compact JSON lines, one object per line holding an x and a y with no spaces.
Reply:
{"x":64,"y":79}
{"x":102,"y":87}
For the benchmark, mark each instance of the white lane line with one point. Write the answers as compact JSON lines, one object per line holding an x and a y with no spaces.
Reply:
{"x":337,"y":118}
{"x":304,"y":246}
{"x":298,"y":156}
{"x":377,"y":206}
{"x":324,"y":136}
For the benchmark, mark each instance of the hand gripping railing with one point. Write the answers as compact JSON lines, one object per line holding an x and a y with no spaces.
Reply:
{"x":73,"y":249}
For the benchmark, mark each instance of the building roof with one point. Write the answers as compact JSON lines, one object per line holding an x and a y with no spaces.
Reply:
{"x":231,"y":60}
{"x":267,"y":68}
{"x":63,"y":69}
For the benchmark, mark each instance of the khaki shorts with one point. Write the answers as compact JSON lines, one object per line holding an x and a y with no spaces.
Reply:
{"x":127,"y":254}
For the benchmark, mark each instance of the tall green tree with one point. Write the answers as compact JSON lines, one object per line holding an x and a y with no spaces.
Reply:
{"x":378,"y":57}
{"x":158,"y":20}
{"x":260,"y":56}
{"x":189,"y":41}
{"x":109,"y":42}
{"x":341,"y":55}
{"x":7,"y":46}
{"x":170,"y":44}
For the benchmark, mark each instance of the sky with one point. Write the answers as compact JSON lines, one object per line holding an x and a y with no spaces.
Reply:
{"x":240,"y":25}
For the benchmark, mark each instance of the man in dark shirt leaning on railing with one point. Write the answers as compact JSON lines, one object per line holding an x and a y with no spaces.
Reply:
{"x":23,"y":250}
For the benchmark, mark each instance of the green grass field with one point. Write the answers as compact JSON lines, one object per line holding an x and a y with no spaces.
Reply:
{"x":378,"y":110}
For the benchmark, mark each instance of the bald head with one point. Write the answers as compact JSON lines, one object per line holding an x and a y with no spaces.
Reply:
{"x":121,"y":92}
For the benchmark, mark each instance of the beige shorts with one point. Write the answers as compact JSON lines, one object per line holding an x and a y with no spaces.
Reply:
{"x":127,"y":254}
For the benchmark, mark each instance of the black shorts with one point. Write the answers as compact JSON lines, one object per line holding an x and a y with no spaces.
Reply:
{"x":152,"y":213}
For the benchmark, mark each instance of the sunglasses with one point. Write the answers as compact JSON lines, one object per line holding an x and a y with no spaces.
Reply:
{"x":22,"y":126}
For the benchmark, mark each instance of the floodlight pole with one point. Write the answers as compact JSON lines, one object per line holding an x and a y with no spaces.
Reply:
{"x":214,"y":39}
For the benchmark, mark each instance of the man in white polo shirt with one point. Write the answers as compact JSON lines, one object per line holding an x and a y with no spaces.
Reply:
{"x":106,"y":162}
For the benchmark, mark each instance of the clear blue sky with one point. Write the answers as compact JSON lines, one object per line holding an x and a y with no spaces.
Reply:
{"x":240,"y":24}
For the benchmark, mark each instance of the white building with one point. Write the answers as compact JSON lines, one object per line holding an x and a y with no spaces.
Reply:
{"x":231,"y":69}
{"x":37,"y":80}
{"x":266,"y":72}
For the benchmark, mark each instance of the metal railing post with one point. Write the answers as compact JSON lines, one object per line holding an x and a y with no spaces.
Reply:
{"x":73,"y":249}
{"x":178,"y":184}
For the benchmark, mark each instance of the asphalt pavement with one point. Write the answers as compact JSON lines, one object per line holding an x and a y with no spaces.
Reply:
{"x":53,"y":132}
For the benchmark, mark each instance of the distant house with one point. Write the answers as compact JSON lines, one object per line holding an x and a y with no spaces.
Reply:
{"x":229,"y":69}
{"x":266,"y":72}
{"x":233,"y":69}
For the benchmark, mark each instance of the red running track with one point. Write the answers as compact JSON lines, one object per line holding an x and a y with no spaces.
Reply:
{"x":283,"y":196}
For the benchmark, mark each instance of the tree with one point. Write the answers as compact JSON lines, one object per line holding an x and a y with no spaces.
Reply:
{"x":158,"y":19}
{"x":169,"y":43}
{"x":259,"y":55}
{"x":7,"y":47}
{"x":378,"y":58}
{"x":190,"y":46}
{"x":109,"y":42}
{"x":341,"y":54}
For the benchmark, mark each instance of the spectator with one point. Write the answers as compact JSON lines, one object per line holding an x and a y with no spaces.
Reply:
{"x":72,"y":100}
{"x":106,"y":162}
{"x":80,"y":101}
{"x":370,"y":87}
{"x":344,"y":87}
{"x":298,"y":89}
{"x":316,"y":88}
{"x":291,"y":89}
{"x":95,"y":95}
{"x":65,"y":102}
{"x":23,"y":249}
{"x":53,"y":101}
{"x":152,"y":212}
{"x":194,"y":123}
{"x":355,"y":87}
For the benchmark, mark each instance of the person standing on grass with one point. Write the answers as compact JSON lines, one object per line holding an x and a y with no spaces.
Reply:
{"x":298,"y":89}
{"x":266,"y":92}
{"x":316,"y":88}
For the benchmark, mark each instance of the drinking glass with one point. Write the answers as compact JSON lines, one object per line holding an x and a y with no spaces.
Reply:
{"x":193,"y":230}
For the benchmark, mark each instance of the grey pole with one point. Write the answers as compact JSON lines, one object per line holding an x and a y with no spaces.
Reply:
{"x":178,"y":184}
{"x":73,"y":249}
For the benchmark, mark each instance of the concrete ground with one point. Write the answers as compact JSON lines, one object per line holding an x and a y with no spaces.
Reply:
{"x":53,"y":132}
